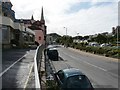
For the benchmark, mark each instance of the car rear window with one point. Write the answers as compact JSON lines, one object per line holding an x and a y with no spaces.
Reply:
{"x":78,"y":81}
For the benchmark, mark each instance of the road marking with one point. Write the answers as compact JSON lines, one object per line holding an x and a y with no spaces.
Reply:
{"x":11,"y":66}
{"x":95,"y":66}
{"x":89,"y":63}
{"x":28,"y":76}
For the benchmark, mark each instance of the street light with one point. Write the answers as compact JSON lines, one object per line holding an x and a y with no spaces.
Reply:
{"x":66,"y":30}
{"x":66,"y":35}
{"x":77,"y":37}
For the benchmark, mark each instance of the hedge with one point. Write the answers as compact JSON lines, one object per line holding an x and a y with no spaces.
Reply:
{"x":106,"y":51}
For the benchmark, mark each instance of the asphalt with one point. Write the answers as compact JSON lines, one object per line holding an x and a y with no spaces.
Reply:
{"x":102,"y":71}
{"x":17,"y":68}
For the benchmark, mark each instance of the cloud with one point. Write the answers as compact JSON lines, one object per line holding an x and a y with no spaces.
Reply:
{"x":85,"y":21}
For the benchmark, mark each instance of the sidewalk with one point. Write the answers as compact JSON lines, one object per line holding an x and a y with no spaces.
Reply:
{"x":19,"y":72}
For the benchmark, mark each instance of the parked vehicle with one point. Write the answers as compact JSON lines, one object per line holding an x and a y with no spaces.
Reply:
{"x":105,"y":44}
{"x":52,"y":54}
{"x":72,"y":79}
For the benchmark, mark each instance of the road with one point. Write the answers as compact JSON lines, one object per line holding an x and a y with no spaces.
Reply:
{"x":17,"y":65}
{"x":102,"y":71}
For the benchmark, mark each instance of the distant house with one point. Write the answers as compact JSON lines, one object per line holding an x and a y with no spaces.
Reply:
{"x":51,"y":38}
{"x":116,"y":30}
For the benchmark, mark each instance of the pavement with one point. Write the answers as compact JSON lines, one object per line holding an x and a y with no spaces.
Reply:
{"x":17,"y":68}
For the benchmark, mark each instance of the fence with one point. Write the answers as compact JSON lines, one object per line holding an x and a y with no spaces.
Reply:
{"x":37,"y":65}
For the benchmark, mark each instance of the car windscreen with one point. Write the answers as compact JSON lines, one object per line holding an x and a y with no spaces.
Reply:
{"x":78,"y":81}
{"x":53,"y":51}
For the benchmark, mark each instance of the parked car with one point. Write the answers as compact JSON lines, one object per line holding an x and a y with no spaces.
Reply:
{"x":52,"y":54}
{"x":72,"y":79}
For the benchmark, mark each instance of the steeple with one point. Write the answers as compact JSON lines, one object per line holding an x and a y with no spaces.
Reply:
{"x":42,"y":16}
{"x":32,"y":18}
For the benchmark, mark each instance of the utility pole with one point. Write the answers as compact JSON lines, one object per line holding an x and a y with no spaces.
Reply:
{"x":66,"y":30}
{"x":66,"y":35}
{"x":77,"y":37}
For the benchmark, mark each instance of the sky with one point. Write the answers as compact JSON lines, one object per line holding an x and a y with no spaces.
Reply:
{"x":79,"y":17}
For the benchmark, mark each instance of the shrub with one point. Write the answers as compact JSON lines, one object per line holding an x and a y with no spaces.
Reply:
{"x":107,"y":51}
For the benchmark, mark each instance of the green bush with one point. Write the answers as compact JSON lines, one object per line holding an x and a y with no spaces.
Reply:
{"x":107,"y":51}
{"x":100,"y":50}
{"x":88,"y":49}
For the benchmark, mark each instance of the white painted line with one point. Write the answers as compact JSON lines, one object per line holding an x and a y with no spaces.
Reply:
{"x":95,"y":66}
{"x":11,"y":65}
{"x":88,"y":63}
{"x":28,"y":76}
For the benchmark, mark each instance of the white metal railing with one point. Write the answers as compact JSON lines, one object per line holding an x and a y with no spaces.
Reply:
{"x":37,"y":81}
{"x":37,"y":66}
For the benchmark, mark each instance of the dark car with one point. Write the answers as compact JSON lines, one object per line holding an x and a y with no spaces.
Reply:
{"x":72,"y":79}
{"x":52,"y":54}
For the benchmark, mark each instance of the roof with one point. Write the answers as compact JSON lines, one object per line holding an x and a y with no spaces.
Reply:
{"x":25,"y":21}
{"x":72,"y":71}
{"x":6,"y":1}
{"x":52,"y":48}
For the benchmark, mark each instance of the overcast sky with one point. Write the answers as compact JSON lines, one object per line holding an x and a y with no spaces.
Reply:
{"x":86,"y":17}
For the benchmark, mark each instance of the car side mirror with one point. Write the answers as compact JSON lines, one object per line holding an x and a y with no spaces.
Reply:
{"x":55,"y":73}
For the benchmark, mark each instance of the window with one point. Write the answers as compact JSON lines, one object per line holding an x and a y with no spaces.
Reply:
{"x":5,"y":14}
{"x":25,"y":35}
{"x":31,"y":38}
{"x":61,"y":76}
{"x":39,"y":38}
{"x":5,"y":31}
{"x":78,"y":81}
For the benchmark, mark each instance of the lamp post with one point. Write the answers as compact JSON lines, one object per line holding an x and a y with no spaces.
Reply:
{"x":77,"y":37}
{"x":66,"y":30}
{"x":66,"y":36}
{"x":117,"y":35}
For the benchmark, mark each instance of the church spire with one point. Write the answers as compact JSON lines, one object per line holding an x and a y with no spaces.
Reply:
{"x":42,"y":16}
{"x":32,"y":18}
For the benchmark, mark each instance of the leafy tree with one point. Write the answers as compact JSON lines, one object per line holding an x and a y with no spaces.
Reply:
{"x":85,"y":37}
{"x":66,"y":40}
{"x":78,"y":37}
{"x":101,"y":39}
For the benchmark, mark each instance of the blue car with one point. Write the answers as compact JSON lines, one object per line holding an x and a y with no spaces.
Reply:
{"x":72,"y":79}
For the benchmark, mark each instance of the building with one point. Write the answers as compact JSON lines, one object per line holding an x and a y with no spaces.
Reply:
{"x":51,"y":38}
{"x":104,"y":33}
{"x":7,"y":9}
{"x":116,"y":30}
{"x":40,"y":30}
{"x":14,"y":33}
{"x":27,"y":22}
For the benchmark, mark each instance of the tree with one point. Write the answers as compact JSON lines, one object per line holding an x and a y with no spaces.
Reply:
{"x":101,"y":39}
{"x":65,"y":40}
{"x":85,"y":37}
{"x":78,"y":37}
